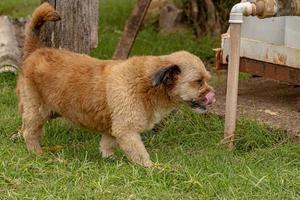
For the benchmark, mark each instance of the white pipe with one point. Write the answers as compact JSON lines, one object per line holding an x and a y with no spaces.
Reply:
{"x":240,"y":10}
{"x":263,"y":9}
{"x":236,"y":20}
{"x":232,"y":84}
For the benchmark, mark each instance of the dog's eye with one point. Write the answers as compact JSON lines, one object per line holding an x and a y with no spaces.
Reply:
{"x":200,"y":81}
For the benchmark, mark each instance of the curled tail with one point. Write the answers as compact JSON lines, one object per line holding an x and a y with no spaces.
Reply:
{"x":45,"y":12}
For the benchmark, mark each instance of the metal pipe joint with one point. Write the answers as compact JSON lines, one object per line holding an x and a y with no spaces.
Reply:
{"x":240,"y":10}
{"x":264,"y":9}
{"x":276,"y":8}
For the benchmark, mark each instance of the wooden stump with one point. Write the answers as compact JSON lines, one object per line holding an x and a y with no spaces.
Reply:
{"x":78,"y":29}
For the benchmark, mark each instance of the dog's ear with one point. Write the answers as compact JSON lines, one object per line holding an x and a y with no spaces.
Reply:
{"x":166,"y":75}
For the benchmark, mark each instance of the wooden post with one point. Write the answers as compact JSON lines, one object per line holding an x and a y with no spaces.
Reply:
{"x":78,"y":28}
{"x":232,"y":84}
{"x":131,"y":29}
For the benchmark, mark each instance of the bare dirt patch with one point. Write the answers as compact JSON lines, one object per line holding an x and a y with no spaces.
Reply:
{"x":271,"y":102}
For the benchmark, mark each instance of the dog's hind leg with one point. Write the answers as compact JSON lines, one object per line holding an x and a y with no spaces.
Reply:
{"x":32,"y":137}
{"x":107,"y":144}
{"x":32,"y":132}
{"x":33,"y":118}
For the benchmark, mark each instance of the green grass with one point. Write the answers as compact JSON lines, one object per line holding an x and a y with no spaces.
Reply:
{"x":190,"y":162}
{"x":17,"y":8}
{"x":148,"y":41}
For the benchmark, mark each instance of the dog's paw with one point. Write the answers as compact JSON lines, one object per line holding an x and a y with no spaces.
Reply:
{"x":147,"y":163}
{"x":34,"y":148}
{"x":106,"y":153}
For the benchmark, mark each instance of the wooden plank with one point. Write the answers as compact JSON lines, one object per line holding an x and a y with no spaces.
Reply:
{"x":131,"y":29}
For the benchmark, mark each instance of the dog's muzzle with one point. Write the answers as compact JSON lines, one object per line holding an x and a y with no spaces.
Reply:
{"x":201,"y":106}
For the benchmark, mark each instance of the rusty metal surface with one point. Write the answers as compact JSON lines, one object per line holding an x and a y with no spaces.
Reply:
{"x":264,"y":69}
{"x":282,"y":55}
{"x":219,"y":65}
{"x":273,"y":41}
{"x":269,"y":70}
{"x":266,"y":52}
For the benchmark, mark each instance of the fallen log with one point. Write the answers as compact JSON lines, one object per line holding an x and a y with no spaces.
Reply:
{"x":10,"y":54}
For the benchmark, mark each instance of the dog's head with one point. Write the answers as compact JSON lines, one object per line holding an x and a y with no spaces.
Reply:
{"x":186,"y":80}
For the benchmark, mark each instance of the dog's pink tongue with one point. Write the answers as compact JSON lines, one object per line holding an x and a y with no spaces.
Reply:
{"x":210,"y":98}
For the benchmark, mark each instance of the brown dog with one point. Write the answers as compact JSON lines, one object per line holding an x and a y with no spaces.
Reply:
{"x":117,"y":98}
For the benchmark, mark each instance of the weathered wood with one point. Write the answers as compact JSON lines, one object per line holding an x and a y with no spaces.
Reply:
{"x":10,"y":54}
{"x":131,"y":29}
{"x":78,"y":29}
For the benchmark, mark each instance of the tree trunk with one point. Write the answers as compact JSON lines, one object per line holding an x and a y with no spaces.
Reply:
{"x":78,"y":29}
{"x":205,"y":17}
{"x":209,"y":16}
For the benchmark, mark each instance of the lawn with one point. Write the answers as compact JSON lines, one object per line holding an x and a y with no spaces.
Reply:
{"x":189,"y":161}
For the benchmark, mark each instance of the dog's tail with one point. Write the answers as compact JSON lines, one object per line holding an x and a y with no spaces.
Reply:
{"x":45,"y":12}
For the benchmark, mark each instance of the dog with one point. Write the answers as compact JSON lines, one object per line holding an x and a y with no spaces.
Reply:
{"x":118,"y":98}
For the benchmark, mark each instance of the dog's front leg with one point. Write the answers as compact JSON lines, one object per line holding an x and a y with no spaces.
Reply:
{"x":107,"y":145}
{"x":132,"y":145}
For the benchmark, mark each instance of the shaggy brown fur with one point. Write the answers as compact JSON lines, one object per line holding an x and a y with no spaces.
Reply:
{"x":120,"y":99}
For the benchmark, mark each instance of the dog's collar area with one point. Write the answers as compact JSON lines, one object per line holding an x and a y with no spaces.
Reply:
{"x":196,"y":105}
